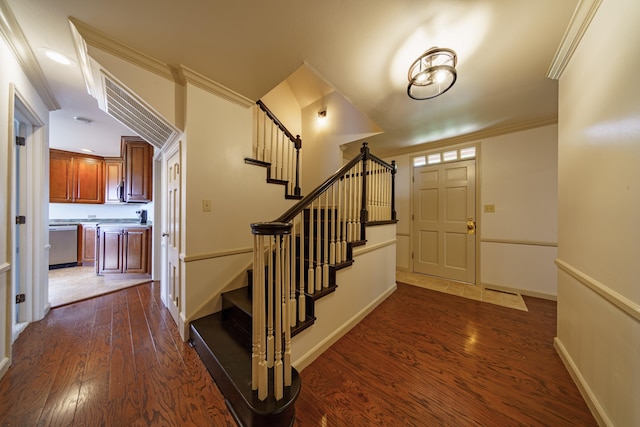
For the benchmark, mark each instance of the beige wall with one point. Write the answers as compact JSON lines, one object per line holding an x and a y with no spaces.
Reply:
{"x":322,"y":155}
{"x":599,"y":207}
{"x":519,"y":176}
{"x":517,"y":173}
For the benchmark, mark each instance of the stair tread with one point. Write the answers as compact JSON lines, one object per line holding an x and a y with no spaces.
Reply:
{"x":240,"y":298}
{"x":229,"y":363}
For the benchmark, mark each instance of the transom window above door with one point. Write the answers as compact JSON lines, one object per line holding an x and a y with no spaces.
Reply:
{"x":445,"y":156}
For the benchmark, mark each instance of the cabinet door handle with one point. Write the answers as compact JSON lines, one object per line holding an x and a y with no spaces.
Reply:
{"x":165,"y":234}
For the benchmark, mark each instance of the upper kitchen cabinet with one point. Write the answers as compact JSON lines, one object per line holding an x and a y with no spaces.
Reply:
{"x":114,"y":180}
{"x":60,"y":176}
{"x":75,"y":178}
{"x":138,"y":169}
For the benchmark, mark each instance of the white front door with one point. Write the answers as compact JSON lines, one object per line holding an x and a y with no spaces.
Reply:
{"x":444,"y":220}
{"x":173,"y":233}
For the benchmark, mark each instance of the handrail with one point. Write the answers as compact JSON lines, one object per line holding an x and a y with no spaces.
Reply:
{"x":296,"y":140}
{"x":302,"y":204}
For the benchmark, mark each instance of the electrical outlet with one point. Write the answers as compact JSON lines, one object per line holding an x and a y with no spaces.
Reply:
{"x":206,"y":206}
{"x":490,"y":208}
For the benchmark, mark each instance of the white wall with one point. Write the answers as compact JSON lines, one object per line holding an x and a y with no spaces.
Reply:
{"x":12,"y":74}
{"x":517,"y":173}
{"x":599,"y":207}
{"x":85,"y":211}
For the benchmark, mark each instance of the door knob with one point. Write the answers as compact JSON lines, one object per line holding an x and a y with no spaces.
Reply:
{"x":165,"y":234}
{"x":471,"y":226}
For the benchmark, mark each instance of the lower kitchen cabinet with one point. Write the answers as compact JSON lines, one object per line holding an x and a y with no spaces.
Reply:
{"x":88,"y":245}
{"x":123,"y":250}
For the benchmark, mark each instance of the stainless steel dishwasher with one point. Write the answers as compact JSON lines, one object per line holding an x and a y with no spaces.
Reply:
{"x":64,"y":246}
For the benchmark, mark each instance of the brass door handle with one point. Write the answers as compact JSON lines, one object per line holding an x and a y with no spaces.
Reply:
{"x":471,"y":226}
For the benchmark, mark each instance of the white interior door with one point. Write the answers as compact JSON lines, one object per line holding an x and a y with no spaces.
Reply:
{"x":444,"y":239}
{"x":172,"y":234}
{"x":20,"y":246}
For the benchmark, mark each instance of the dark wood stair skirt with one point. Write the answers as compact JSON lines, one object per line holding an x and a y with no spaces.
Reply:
{"x":228,"y":360}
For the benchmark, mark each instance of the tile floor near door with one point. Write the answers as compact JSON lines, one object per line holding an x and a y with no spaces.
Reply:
{"x":475,"y":292}
{"x":67,"y":285}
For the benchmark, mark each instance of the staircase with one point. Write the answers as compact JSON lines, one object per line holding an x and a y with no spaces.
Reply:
{"x":223,"y":340}
{"x":276,"y":149}
{"x":247,"y":345}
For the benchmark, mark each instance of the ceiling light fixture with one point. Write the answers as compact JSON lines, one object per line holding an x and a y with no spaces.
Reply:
{"x":83,"y":120}
{"x":432,"y":74}
{"x":58,"y":57}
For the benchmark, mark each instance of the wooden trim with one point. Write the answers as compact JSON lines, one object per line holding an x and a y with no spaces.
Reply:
{"x":100,"y":40}
{"x":589,"y":396}
{"x":520,"y":242}
{"x":620,"y":301}
{"x":17,"y":42}
{"x":212,"y":255}
{"x":467,"y":138}
{"x":4,"y":267}
{"x":403,"y":234}
{"x":306,"y":359}
{"x":371,"y":248}
{"x":187,"y":75}
{"x":582,"y":16}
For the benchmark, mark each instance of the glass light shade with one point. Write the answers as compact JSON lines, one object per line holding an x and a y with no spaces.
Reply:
{"x":432,"y":74}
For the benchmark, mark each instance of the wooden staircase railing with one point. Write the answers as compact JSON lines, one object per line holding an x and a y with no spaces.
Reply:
{"x":275,"y":148}
{"x":302,"y":247}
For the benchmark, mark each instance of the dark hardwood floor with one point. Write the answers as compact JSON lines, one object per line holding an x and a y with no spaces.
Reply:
{"x":420,"y":359}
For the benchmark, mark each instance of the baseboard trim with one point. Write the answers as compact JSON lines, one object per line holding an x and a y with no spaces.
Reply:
{"x":589,"y":397}
{"x":322,"y":346}
{"x":4,"y":366}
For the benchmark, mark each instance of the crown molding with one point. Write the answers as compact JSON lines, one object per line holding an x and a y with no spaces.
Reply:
{"x":100,"y":40}
{"x":472,"y":137}
{"x":17,"y":42}
{"x":190,"y":76}
{"x":582,"y":16}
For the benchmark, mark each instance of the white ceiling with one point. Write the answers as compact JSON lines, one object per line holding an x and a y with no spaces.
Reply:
{"x":363,"y":48}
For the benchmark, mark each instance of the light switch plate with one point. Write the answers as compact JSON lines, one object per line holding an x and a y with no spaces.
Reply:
{"x":489,"y":208}
{"x":206,"y":206}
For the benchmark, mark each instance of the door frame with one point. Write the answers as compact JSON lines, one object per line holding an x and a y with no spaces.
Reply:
{"x":438,"y":148}
{"x":36,"y":247}
{"x":167,"y":153}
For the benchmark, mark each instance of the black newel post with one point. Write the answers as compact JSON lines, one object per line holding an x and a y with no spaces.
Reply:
{"x":364,"y":214}
{"x":393,"y":190}
{"x":298,"y":145}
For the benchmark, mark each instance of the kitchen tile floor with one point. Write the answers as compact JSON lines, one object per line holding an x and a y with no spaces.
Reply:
{"x":475,"y":292}
{"x":67,"y":285}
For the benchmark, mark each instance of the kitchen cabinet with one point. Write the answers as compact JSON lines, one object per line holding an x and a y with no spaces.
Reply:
{"x":114,"y":180}
{"x":75,"y":178}
{"x":138,"y":169}
{"x":123,"y":250}
{"x":88,"y":245}
{"x":60,"y":176}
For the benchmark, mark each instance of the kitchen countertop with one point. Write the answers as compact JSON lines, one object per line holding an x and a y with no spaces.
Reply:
{"x":128,"y":222}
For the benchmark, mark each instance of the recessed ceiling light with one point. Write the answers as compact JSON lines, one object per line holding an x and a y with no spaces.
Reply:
{"x":58,"y":57}
{"x":83,"y":120}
